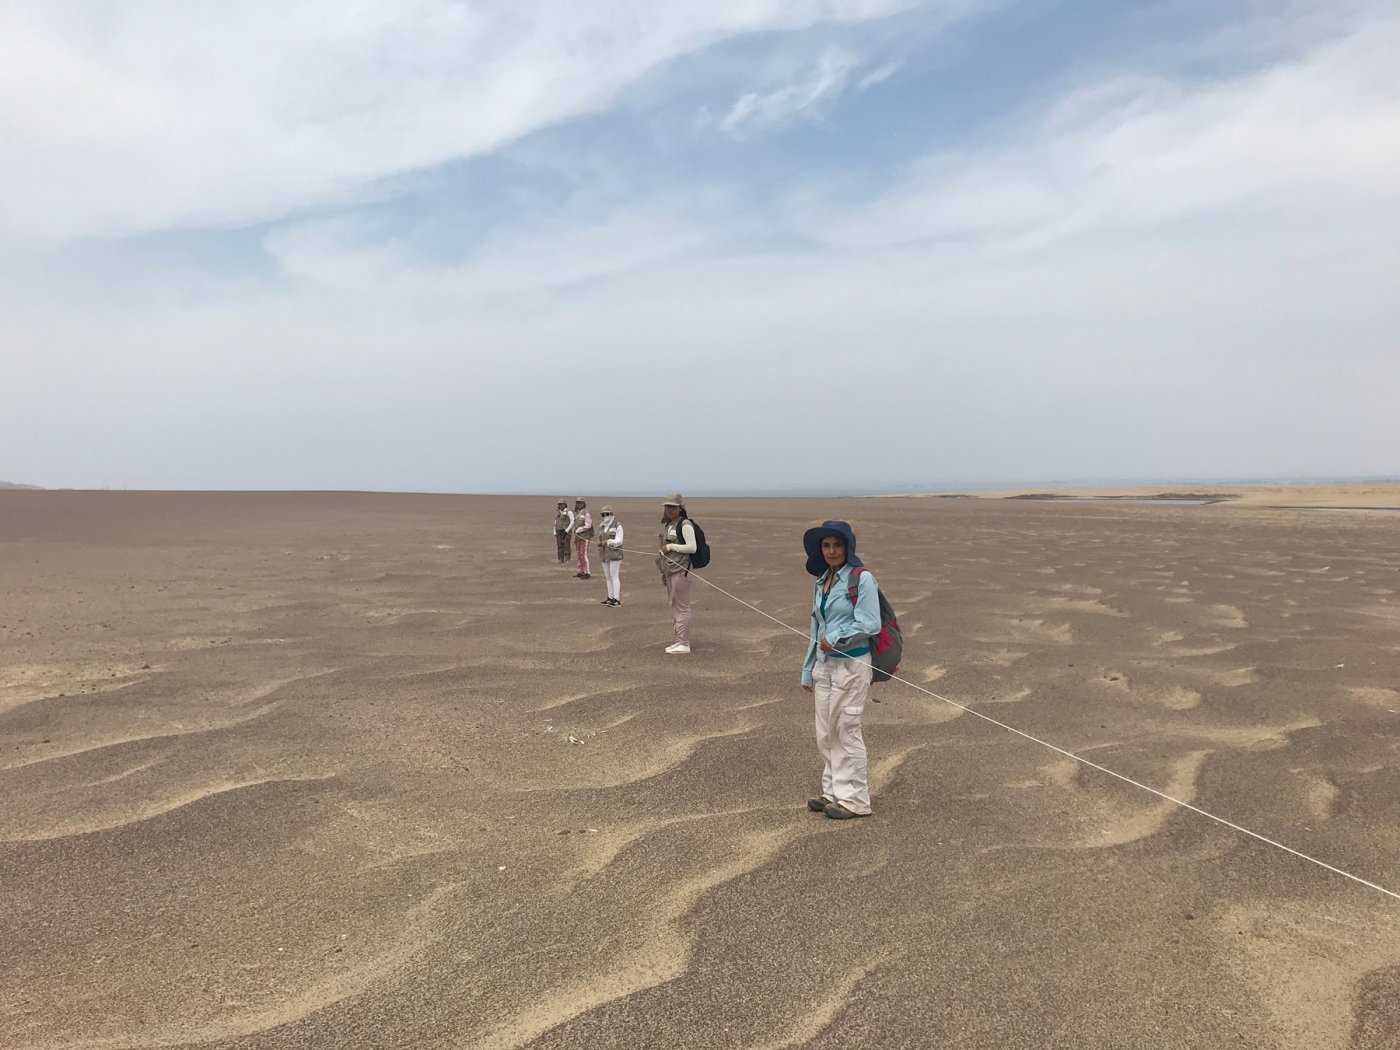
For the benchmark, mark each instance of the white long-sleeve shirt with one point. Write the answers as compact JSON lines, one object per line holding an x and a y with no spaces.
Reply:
{"x":685,"y":534}
{"x":610,"y":522}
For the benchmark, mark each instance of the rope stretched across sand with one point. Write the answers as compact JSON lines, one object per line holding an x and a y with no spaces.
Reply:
{"x":1071,"y":755}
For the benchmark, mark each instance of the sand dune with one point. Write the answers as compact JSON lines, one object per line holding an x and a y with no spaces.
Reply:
{"x":660,"y":957}
{"x":305,"y":770}
{"x":18,"y":831}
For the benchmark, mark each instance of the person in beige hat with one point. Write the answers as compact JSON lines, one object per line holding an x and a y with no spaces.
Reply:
{"x":583,"y":532}
{"x":610,"y":554}
{"x":563,"y":531}
{"x":677,"y":544}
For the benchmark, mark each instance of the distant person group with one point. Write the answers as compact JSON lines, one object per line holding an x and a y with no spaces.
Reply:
{"x":678,"y":544}
{"x":854,"y":638}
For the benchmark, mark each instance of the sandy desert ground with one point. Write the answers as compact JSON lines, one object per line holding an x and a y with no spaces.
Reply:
{"x":298,"y":770}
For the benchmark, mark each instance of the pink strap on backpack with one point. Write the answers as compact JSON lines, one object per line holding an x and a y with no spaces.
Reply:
{"x":853,"y":583}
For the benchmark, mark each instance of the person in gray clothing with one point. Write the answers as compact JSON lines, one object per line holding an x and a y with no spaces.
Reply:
{"x":563,"y":531}
{"x":677,"y":544}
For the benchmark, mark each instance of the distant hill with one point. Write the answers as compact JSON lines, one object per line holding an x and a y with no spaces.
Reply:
{"x":12,"y":485}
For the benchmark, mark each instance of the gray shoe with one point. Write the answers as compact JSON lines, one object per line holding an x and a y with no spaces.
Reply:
{"x":836,"y":811}
{"x":818,"y":804}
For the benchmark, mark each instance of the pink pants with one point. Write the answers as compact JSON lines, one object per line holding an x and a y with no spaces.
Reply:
{"x":582,"y":547}
{"x":678,"y":591}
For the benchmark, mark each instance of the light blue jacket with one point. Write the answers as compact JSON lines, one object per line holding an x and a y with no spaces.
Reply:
{"x":848,"y":628}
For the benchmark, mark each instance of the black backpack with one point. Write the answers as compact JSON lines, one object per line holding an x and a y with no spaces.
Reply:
{"x":701,"y":557}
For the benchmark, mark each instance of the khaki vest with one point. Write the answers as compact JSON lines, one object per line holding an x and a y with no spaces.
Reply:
{"x":606,"y":533}
{"x":561,"y":521}
{"x":670,"y":563}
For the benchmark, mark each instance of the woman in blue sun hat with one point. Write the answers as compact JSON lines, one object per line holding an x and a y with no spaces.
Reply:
{"x":837,"y":669}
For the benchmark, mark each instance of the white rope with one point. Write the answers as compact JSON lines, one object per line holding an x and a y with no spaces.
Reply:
{"x":1069,"y":754}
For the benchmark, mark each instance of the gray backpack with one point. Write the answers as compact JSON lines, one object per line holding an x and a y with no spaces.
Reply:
{"x":887,"y":647}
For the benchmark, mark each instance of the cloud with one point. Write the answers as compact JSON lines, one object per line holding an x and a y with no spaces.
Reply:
{"x":1313,"y":134}
{"x":1145,"y":272}
{"x":877,"y":76}
{"x":1277,"y":152}
{"x":134,"y":115}
{"x":805,"y":97}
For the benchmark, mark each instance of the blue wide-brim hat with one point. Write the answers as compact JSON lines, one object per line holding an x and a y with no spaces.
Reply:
{"x":812,"y":543}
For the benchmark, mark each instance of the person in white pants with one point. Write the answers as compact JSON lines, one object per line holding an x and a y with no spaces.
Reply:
{"x":837,"y":669}
{"x":610,"y":554}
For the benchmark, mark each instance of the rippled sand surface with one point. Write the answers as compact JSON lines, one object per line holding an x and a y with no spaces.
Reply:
{"x":374,"y":771}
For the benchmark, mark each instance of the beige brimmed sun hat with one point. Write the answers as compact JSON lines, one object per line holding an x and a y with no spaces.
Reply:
{"x":607,"y":509}
{"x":673,"y":500}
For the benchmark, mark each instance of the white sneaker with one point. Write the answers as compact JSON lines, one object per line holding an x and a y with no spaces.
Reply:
{"x":678,"y":648}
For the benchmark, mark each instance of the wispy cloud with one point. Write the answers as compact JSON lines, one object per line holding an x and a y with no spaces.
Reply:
{"x":119,"y":117}
{"x":1308,"y":135}
{"x":1127,"y":267}
{"x":805,"y":97}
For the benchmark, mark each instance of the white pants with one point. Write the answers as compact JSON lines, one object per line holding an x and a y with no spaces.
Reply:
{"x":612,"y":573}
{"x":841,"y":688}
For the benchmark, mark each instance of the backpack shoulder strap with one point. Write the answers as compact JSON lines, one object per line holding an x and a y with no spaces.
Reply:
{"x":853,"y":583}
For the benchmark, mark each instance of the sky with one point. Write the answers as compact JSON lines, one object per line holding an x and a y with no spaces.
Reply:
{"x":721,"y":246}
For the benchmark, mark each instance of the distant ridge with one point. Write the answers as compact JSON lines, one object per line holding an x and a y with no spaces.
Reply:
{"x":13,"y":485}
